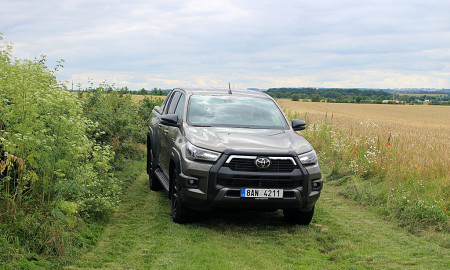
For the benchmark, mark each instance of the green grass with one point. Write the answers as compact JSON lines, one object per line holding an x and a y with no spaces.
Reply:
{"x":343,"y":235}
{"x":77,"y":241}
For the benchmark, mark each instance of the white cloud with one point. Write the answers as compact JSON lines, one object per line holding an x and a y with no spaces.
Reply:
{"x":249,"y":43}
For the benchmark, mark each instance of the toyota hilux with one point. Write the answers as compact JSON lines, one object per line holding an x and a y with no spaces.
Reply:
{"x":231,"y":149}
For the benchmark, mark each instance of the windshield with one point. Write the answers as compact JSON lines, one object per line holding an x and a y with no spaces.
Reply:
{"x":234,"y":111}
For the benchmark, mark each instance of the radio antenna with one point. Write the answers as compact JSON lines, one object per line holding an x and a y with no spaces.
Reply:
{"x":229,"y":89}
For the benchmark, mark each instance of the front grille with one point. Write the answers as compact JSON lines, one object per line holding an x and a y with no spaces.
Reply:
{"x":257,"y":181}
{"x":248,"y":165}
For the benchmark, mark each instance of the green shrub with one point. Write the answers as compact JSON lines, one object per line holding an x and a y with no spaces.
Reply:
{"x":146,"y":106}
{"x":55,"y":163}
{"x":117,"y":119}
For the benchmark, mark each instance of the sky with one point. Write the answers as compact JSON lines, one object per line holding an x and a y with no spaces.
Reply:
{"x":250,"y":44}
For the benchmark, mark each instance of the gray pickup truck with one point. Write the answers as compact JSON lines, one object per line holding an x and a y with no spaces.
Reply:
{"x":231,"y":149}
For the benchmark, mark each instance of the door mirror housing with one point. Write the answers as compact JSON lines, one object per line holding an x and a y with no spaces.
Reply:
{"x":170,"y":120}
{"x":298,"y":125}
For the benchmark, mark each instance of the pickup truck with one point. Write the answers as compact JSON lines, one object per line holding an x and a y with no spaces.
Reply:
{"x":230,"y":149}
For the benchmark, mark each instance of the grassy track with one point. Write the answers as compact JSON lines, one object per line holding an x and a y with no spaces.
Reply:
{"x":343,"y":234}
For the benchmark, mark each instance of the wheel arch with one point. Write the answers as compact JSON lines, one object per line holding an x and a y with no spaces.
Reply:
{"x":174,"y":166}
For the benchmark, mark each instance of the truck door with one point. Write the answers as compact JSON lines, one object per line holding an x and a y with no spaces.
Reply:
{"x":166,"y":141}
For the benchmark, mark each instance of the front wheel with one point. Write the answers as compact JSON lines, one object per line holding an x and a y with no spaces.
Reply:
{"x":298,"y":217}
{"x":180,"y":213}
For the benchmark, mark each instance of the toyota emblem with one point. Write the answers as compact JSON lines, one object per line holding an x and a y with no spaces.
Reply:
{"x":262,"y":162}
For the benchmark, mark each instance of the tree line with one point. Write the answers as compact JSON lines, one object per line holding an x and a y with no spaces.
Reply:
{"x":338,"y":95}
{"x":125,"y":90}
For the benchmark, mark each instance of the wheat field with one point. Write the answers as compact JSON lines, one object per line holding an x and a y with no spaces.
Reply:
{"x":410,"y":115}
{"x":410,"y":145}
{"x":421,"y":133}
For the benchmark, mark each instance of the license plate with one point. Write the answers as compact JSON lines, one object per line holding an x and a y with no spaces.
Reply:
{"x":261,"y":193}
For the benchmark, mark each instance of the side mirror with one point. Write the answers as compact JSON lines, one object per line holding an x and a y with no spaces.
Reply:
{"x":298,"y":124}
{"x":170,"y":120}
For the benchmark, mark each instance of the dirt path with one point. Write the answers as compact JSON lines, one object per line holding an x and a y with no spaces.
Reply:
{"x":343,"y":235}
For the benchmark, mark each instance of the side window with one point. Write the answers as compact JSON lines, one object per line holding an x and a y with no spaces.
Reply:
{"x":173,"y":102}
{"x":180,"y":107}
{"x":166,"y":100}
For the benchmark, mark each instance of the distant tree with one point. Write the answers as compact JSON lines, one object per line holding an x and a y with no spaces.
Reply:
{"x":124,"y":90}
{"x":339,"y":95}
{"x":316,"y":98}
{"x":157,"y":92}
{"x":294,"y":97}
{"x":379,"y":100}
{"x":142,"y":92}
{"x":358,"y":99}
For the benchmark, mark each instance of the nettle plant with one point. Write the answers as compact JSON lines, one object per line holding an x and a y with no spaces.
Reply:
{"x":48,"y":161}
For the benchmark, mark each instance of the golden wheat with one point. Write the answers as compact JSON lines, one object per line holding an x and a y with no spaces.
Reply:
{"x":419,"y":135}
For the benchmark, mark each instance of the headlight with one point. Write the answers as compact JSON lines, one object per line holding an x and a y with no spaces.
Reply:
{"x":308,"y":158}
{"x":196,"y":153}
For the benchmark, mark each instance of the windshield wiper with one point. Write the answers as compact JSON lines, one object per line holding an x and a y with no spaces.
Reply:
{"x":201,"y":126}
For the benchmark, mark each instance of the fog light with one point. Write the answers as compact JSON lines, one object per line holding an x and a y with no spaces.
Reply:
{"x":192,"y":182}
{"x":317,"y":184}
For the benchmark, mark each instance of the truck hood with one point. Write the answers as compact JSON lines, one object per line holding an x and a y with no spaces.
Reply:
{"x":247,"y":140}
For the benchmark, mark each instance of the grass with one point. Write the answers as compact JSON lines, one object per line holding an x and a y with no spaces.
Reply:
{"x":343,"y":235}
{"x":77,"y":241}
{"x":397,"y":156}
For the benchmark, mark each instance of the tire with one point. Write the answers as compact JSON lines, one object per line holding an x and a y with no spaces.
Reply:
{"x":154,"y":184}
{"x":298,"y":217}
{"x":180,"y":213}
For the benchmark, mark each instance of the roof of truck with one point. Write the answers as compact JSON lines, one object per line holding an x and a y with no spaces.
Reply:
{"x":216,"y":91}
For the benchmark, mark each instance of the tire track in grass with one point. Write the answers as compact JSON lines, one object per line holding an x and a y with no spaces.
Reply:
{"x":343,"y":234}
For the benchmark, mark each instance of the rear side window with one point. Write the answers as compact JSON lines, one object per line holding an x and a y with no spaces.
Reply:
{"x":166,"y":100}
{"x":180,"y":107}
{"x":173,"y":102}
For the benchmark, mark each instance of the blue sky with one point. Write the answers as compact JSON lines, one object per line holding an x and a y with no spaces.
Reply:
{"x":192,"y":43}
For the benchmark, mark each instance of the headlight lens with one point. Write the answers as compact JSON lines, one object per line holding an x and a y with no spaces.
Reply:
{"x":196,"y":153}
{"x":308,"y":158}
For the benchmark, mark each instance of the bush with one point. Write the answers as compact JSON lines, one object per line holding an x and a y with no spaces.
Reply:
{"x":146,"y":106}
{"x":117,"y":119}
{"x":294,"y":97}
{"x":55,"y":163}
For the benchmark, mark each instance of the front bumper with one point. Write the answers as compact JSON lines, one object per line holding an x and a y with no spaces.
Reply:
{"x":219,"y":186}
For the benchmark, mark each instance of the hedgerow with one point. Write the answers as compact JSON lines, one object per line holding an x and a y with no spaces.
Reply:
{"x":58,"y":155}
